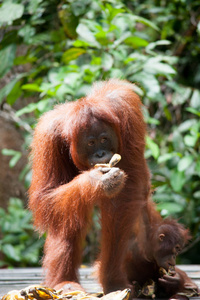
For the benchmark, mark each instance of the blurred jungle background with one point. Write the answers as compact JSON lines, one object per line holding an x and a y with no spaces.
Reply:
{"x":52,"y":51}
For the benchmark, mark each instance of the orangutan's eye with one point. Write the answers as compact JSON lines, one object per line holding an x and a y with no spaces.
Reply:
{"x":91,"y":143}
{"x":104,"y":140}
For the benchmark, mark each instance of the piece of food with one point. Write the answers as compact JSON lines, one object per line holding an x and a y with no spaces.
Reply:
{"x":44,"y":293}
{"x":170,"y":271}
{"x":162,"y":272}
{"x":149,"y":289}
{"x":114,"y":160}
{"x":118,"y":295}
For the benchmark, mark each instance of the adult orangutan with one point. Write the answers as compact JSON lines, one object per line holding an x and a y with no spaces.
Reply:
{"x":68,"y":142}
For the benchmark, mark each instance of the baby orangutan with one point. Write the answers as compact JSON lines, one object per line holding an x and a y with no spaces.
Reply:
{"x":155,"y":259}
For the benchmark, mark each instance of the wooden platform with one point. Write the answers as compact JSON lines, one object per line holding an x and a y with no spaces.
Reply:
{"x":16,"y":279}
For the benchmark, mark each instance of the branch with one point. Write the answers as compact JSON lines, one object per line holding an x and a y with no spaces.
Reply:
{"x":10,"y":114}
{"x":191,"y":245}
{"x":195,"y":17}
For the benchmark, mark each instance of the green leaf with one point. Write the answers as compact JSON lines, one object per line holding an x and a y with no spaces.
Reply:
{"x":181,"y":96}
{"x":10,"y":252}
{"x":78,"y":44}
{"x":177,"y":140}
{"x":111,"y":11}
{"x":185,"y":162}
{"x":16,"y":204}
{"x":44,"y":105}
{"x":197,"y":195}
{"x":27,"y":32}
{"x":107,"y":61}
{"x":197,"y":167}
{"x":151,"y":46}
{"x":34,"y":246}
{"x":167,"y":113}
{"x":153,"y":147}
{"x":153,"y":121}
{"x":72,"y":54}
{"x":135,"y":42}
{"x":23,"y":173}
{"x":16,"y":156}
{"x":145,"y":22}
{"x":186,"y":125}
{"x":140,"y":92}
{"x":154,"y":67}
{"x":69,"y":22}
{"x":193,"y":111}
{"x":79,"y":7}
{"x":9,"y":152}
{"x":195,"y":100}
{"x":163,"y":197}
{"x":6,"y":90}
{"x":177,"y":180}
{"x":166,"y":157}
{"x":10,"y":11}
{"x":116,"y":73}
{"x":150,"y":83}
{"x":14,"y":94}
{"x":2,"y":212}
{"x":85,"y":34}
{"x":27,"y":109}
{"x":21,"y":60}
{"x":101,"y":37}
{"x":31,"y":87}
{"x":190,"y":140}
{"x":7,"y":56}
{"x":168,"y":208}
{"x":15,"y":159}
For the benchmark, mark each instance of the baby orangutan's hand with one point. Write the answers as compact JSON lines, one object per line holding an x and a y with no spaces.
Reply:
{"x":171,"y":283}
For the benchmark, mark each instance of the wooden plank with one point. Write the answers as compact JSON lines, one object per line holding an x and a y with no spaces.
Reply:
{"x":189,"y":267}
{"x":11,"y":279}
{"x":16,"y":279}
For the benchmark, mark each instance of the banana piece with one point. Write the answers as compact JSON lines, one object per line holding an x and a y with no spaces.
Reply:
{"x":118,"y":295}
{"x":44,"y":293}
{"x":170,"y":271}
{"x":114,"y":160}
{"x":162,"y":271}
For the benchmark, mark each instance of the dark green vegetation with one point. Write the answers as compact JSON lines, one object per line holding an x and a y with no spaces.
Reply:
{"x":19,"y":243}
{"x":53,"y":50}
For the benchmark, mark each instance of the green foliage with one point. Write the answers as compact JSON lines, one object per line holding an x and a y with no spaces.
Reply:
{"x":16,"y":155}
{"x":179,"y":172}
{"x":19,"y":245}
{"x":67,"y":45}
{"x":179,"y":23}
{"x":108,"y":44}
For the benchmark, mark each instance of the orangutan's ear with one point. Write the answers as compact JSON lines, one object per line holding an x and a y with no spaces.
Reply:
{"x":161,"y":236}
